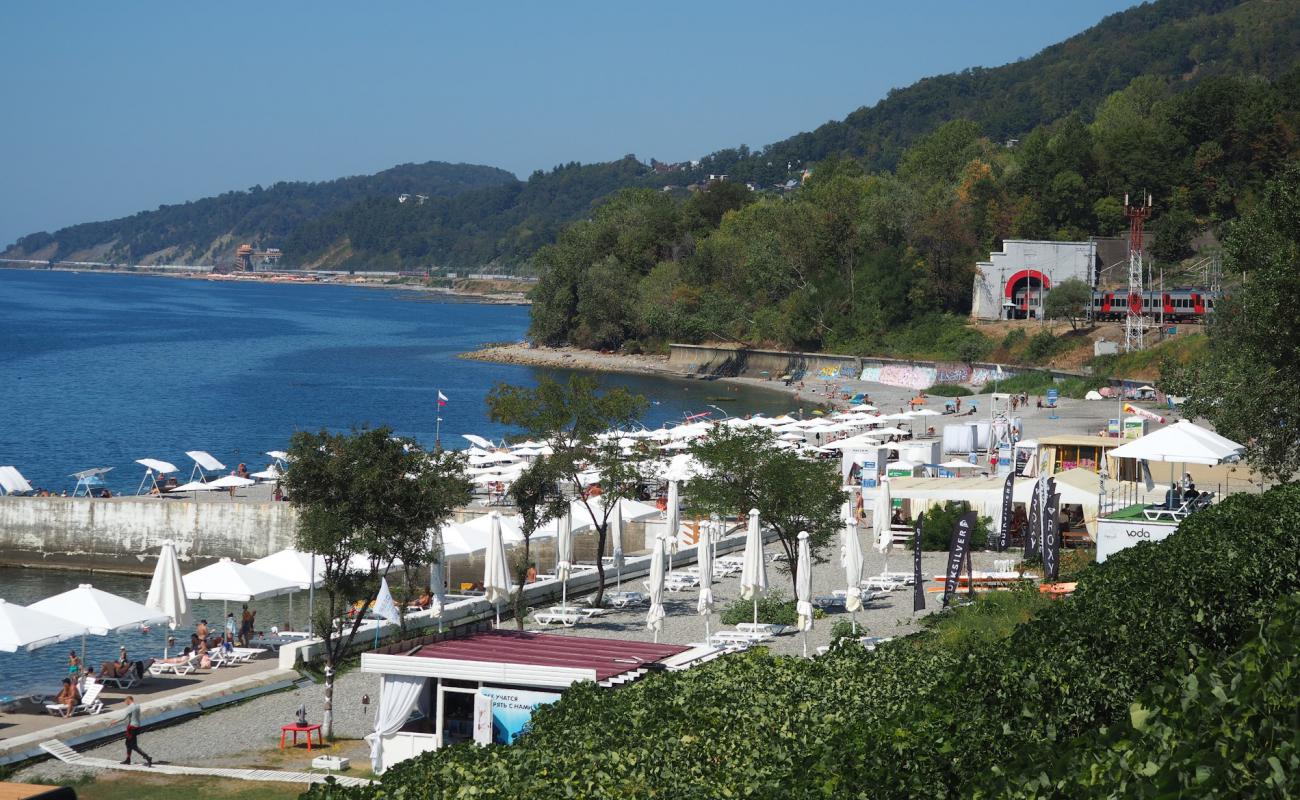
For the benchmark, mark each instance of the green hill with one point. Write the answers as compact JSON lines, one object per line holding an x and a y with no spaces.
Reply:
{"x":479,"y":216}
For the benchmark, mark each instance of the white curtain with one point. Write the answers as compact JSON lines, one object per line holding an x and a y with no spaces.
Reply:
{"x":398,"y":695}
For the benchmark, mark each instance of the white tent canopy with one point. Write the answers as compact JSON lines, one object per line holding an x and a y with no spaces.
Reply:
{"x":232,"y":581}
{"x":1183,"y":443}
{"x":23,"y":628}
{"x":100,"y":612}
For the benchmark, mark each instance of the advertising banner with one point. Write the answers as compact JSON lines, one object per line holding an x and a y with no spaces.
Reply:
{"x":957,"y":550}
{"x":1052,"y":538}
{"x":918,"y":590}
{"x":512,"y":710}
{"x":1034,"y":529}
{"x":1004,"y":525}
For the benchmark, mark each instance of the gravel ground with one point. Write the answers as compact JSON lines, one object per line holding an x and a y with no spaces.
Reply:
{"x":229,"y":737}
{"x":892,"y":616}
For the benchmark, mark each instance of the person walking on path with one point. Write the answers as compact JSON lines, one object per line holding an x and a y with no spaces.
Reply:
{"x":132,"y":737}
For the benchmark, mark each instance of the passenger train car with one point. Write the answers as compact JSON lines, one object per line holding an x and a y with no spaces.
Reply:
{"x":1177,"y":305}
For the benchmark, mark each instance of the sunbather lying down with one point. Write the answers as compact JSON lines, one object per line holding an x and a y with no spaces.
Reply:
{"x":180,"y":659}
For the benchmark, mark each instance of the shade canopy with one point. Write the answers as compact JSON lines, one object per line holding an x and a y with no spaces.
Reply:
{"x":100,"y":612}
{"x":1183,"y":443}
{"x":167,"y":589}
{"x":11,"y":480}
{"x":162,"y":467}
{"x":292,"y":565}
{"x":23,"y":628}
{"x":230,"y":580}
{"x":205,"y":459}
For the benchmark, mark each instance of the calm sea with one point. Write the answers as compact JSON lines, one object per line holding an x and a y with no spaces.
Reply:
{"x":97,"y":370}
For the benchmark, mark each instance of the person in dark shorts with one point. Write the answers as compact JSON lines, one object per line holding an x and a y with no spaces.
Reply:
{"x":132,"y":735}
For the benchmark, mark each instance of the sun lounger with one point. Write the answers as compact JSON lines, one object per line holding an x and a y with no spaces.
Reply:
{"x":765,"y":629}
{"x":90,"y":703}
{"x":567,"y":618}
{"x":130,"y":679}
{"x":178,"y":668}
{"x":882,"y":584}
{"x":624,"y":599}
{"x":247,"y":654}
{"x":681,"y":581}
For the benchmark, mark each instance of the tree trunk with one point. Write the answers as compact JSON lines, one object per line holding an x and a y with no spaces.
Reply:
{"x":599,"y":601}
{"x":327,"y":718}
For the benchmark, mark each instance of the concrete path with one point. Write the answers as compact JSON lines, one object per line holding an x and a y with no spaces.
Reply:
{"x":67,"y":755}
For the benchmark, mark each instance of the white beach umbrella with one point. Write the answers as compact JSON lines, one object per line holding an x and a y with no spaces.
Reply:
{"x":1184,"y":443}
{"x":881,"y":518}
{"x":167,"y":589}
{"x":496,"y":573}
{"x":229,"y":580}
{"x":23,"y":628}
{"x":101,"y":612}
{"x":230,"y":482}
{"x":271,"y":473}
{"x":294,"y":566}
{"x":926,"y":412}
{"x":564,"y":554}
{"x":654,"y":618}
{"x":753,"y":574}
{"x":852,"y":563}
{"x":673,"y":513}
{"x":803,"y":590}
{"x":704,"y":559}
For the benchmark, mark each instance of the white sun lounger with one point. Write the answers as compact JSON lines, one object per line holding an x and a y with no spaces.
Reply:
{"x":90,"y":702}
{"x":567,"y":618}
{"x":126,"y":681}
{"x":179,"y":668}
{"x":625,"y":599}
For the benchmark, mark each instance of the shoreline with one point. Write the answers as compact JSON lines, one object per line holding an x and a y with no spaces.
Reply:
{"x":290,"y":278}
{"x":524,"y":354}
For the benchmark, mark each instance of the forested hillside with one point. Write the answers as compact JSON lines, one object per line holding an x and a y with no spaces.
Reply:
{"x":479,"y":217}
{"x":883,"y":262}
{"x":199,"y":231}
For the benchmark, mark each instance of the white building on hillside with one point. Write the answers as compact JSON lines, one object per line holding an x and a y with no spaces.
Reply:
{"x":1013,"y":282}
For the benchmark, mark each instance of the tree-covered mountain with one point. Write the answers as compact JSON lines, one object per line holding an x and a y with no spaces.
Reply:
{"x":500,"y":222}
{"x":203,"y":230}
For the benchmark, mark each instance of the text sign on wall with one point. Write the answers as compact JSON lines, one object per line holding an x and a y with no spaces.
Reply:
{"x":512,"y":709}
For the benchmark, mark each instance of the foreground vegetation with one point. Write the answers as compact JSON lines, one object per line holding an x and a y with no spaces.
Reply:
{"x":1083,"y":697}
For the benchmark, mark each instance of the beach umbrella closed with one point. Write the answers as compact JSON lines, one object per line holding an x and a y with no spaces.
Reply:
{"x":853,"y":569}
{"x":564,"y":554}
{"x":167,"y":589}
{"x":654,"y":618}
{"x":753,"y":574}
{"x":880,"y":521}
{"x":496,"y":573}
{"x":615,"y":531}
{"x":674,"y":517}
{"x":803,"y":590}
{"x":23,"y":628}
{"x":704,"y":558}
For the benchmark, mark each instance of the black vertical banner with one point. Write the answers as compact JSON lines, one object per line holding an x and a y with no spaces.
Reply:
{"x":1051,"y":538}
{"x":1032,"y":530}
{"x":1004,"y":529}
{"x":957,"y":553}
{"x":918,"y":591}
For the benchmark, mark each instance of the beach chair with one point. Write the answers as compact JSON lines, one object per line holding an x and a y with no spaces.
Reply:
{"x":90,"y":702}
{"x":247,"y":654}
{"x":179,"y":668}
{"x":567,"y":618}
{"x":130,"y":679}
{"x":882,"y":584}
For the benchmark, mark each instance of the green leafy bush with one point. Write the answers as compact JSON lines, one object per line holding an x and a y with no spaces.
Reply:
{"x":1014,"y":338}
{"x":1034,"y":382}
{"x":938,"y":522}
{"x":922,"y":717}
{"x":773,"y":608}
{"x":948,"y":390}
{"x":1044,"y":345}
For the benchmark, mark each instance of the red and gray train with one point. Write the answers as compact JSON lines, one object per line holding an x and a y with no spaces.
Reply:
{"x":1177,"y":305}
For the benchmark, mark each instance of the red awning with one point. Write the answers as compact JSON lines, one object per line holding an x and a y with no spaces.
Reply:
{"x":607,"y":657}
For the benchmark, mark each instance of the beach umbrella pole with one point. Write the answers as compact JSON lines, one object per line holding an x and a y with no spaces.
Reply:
{"x":311,"y":597}
{"x":756,"y":611}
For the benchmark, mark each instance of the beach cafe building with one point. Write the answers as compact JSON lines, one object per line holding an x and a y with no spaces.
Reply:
{"x":484,"y":687}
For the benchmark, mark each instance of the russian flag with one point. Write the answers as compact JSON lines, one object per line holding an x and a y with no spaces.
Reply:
{"x":442,"y":399}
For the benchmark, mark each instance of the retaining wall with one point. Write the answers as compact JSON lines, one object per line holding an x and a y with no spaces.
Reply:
{"x":126,"y":534}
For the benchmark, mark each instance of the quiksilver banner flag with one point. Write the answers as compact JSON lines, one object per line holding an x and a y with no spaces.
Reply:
{"x":1004,"y":527}
{"x":1051,"y":538}
{"x":957,"y":550}
{"x":918,"y":591}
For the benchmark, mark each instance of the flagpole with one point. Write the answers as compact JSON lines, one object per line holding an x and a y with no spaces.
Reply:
{"x":437,"y":435}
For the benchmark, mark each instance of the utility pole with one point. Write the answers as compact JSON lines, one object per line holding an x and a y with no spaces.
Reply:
{"x":1135,"y":322}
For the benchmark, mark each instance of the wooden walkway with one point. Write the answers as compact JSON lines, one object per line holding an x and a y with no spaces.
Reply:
{"x":67,"y":755}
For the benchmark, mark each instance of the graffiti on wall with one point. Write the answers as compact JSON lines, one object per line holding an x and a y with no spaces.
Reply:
{"x":951,"y":373}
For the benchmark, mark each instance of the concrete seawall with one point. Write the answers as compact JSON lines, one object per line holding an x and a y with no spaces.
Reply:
{"x":125,"y":535}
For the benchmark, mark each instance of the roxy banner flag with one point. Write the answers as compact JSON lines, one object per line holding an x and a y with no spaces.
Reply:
{"x":1004,"y":526}
{"x":918,"y":580}
{"x":1051,"y":538}
{"x":957,"y":550}
{"x":1033,"y":529}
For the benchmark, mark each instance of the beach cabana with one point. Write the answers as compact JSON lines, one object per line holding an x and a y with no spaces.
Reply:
{"x":153,"y":470}
{"x":203,"y":463}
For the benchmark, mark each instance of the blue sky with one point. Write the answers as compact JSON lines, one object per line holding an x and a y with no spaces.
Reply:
{"x":111,"y":108}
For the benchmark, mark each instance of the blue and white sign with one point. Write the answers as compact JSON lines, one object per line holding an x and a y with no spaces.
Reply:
{"x":512,"y":710}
